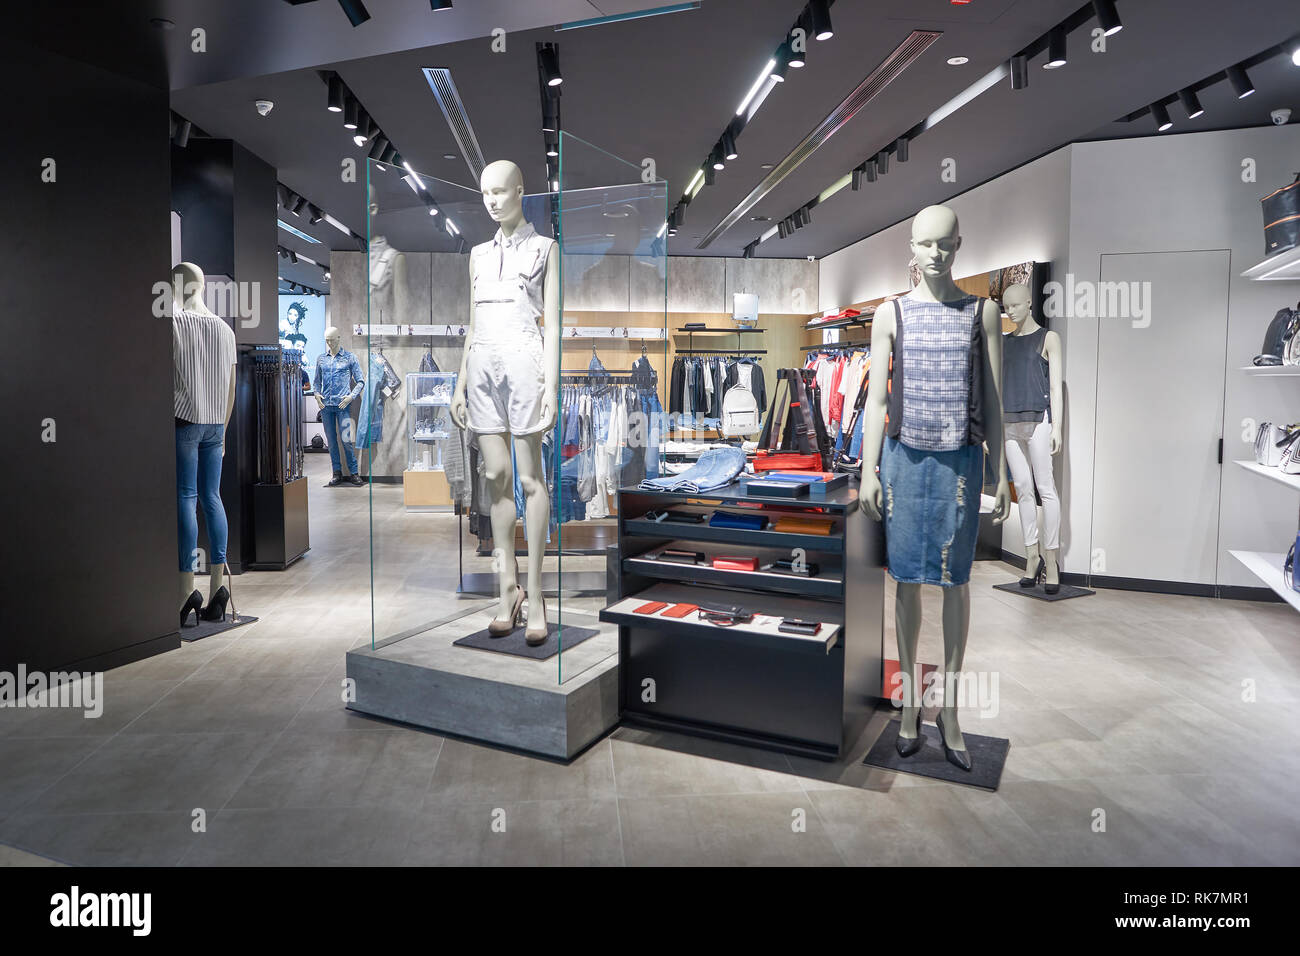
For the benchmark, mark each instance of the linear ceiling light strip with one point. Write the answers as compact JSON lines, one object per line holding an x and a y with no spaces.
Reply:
{"x":889,"y":70}
{"x":453,"y":110}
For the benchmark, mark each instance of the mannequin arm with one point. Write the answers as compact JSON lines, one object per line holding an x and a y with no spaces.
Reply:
{"x":459,"y":413}
{"x":1054,"y":366}
{"x":870,"y":497}
{"x":316,"y":385}
{"x":230,"y":408}
{"x":401,"y":312}
{"x":359,"y":382}
{"x":551,"y":333}
{"x":993,"y":433}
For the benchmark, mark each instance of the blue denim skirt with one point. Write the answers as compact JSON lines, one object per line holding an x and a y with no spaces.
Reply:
{"x":931,"y":511}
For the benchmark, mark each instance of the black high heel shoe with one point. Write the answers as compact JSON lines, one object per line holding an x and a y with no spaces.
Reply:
{"x":1031,"y":579}
{"x":192,"y":603}
{"x":907,"y":746}
{"x":958,"y":758}
{"x":1054,"y":588}
{"x":216,"y":609}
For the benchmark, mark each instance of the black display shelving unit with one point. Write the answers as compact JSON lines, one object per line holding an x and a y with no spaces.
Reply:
{"x":750,"y":683}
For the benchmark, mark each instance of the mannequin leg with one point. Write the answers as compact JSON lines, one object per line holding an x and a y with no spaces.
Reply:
{"x":1040,"y":460}
{"x":537,"y":509}
{"x":214,"y":512}
{"x":956,"y":624}
{"x":495,"y":450}
{"x":187,"y":494}
{"x":1022,"y":475}
{"x":907,"y":629}
{"x":187,"y":586}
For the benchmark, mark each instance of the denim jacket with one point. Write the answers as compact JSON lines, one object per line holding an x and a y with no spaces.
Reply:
{"x":333,"y":374}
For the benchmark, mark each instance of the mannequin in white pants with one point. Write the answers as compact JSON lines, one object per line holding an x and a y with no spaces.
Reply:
{"x":1030,"y":447}
{"x":507,"y":387}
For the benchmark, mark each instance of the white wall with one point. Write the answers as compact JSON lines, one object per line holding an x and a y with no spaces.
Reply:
{"x":1153,"y":194}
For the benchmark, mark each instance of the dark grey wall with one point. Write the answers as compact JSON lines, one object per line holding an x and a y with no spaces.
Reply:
{"x":88,"y":573}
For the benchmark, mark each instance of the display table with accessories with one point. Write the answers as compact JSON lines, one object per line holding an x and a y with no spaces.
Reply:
{"x":428,"y":430}
{"x":803,"y":688}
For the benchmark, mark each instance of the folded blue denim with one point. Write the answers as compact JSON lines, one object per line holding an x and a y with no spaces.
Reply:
{"x":716,"y":467}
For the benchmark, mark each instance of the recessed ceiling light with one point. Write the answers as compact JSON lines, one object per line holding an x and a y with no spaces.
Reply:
{"x":760,"y":218}
{"x":609,"y":235}
{"x":766,"y":165}
{"x":448,"y":155}
{"x":958,"y":60}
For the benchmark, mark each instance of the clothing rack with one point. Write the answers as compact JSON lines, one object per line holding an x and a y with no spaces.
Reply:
{"x":835,"y":347}
{"x":721,"y":352}
{"x":690,"y":337}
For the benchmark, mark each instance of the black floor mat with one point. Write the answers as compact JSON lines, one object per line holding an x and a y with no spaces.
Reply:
{"x":988,"y":755}
{"x":1067,"y":591}
{"x":208,"y":628}
{"x":514,"y":643}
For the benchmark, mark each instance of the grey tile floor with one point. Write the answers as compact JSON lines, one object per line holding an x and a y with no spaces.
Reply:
{"x":1144,"y":729}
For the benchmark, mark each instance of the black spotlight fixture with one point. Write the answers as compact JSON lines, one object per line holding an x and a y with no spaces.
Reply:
{"x":282,"y":195}
{"x":1056,"y":53}
{"x":1240,"y":81}
{"x":858,"y":173}
{"x":334,"y":101}
{"x":710,"y":174}
{"x":299,"y":204}
{"x":552,"y":144}
{"x":806,"y":215}
{"x":314,"y":215}
{"x":679,"y":214}
{"x":729,"y":151}
{"x":796,"y":222}
{"x":780,"y":61}
{"x":1019,"y":71}
{"x":797,"y":59}
{"x":1161,"y":115}
{"x":436,"y":5}
{"x":549,"y":60}
{"x":819,"y":12}
{"x":900,"y":148}
{"x":1107,"y":16}
{"x":364,"y":125}
{"x":183,"y":129}
{"x":378,"y":147}
{"x":1191,"y":103}
{"x":293,"y":257}
{"x":715,"y":158}
{"x":390,"y":155}
{"x":870,"y":167}
{"x":882,"y":162}
{"x":356,"y":11}
{"x":781,"y":229}
{"x":350,"y":110}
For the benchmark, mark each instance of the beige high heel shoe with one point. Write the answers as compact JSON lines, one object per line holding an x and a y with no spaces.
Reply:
{"x":534,"y":636}
{"x":500,"y":628}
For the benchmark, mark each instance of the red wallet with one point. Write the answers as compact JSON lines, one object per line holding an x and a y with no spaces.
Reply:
{"x":732,"y":563}
{"x":650,"y":608}
{"x":680,"y":610}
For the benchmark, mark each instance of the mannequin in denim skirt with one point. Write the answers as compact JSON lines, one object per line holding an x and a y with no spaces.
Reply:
{"x":942,"y":399}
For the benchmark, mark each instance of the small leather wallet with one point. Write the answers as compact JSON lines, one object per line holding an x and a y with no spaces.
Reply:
{"x":650,"y":607}
{"x":792,"y":525}
{"x":725,"y":519}
{"x":732,"y":563}
{"x":680,"y":610}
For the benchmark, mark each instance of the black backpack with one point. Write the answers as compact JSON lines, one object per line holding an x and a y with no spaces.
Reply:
{"x":1281,"y":345}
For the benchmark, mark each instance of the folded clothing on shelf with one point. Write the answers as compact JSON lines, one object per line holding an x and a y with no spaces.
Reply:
{"x":801,"y":525}
{"x":726,"y":519}
{"x":715,"y":468}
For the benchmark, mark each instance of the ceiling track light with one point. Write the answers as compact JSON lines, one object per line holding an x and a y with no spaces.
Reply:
{"x":1107,"y":16}
{"x":882,"y":162}
{"x":781,"y":229}
{"x":1019,"y":71}
{"x":183,"y":129}
{"x":806,"y":214}
{"x":334,"y":99}
{"x":900,"y":148}
{"x":549,"y":60}
{"x":715,"y":158}
{"x":1240,"y":81}
{"x":797,"y":59}
{"x":1056,"y":49}
{"x":436,"y":5}
{"x":1190,"y":103}
{"x":299,"y":204}
{"x":728,"y":145}
{"x":1161,"y":115}
{"x":390,"y":155}
{"x":819,"y":14}
{"x":858,"y":172}
{"x":378,"y":147}
{"x":356,"y":11}
{"x":779,"y":62}
{"x":293,"y":257}
{"x":350,"y":110}
{"x":710,"y":174}
{"x":282,"y":195}
{"x":314,"y":215}
{"x":870,"y":167}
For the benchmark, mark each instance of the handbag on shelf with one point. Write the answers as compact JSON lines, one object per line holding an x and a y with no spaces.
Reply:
{"x":1288,"y":567}
{"x":1281,"y":339}
{"x":1270,"y":440}
{"x":1282,"y":218}
{"x":1290,"y":463}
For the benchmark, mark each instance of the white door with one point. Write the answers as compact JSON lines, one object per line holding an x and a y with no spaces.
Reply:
{"x":1159,"y":408}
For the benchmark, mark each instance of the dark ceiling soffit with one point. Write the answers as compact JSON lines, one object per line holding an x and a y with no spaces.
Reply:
{"x":903,"y":56}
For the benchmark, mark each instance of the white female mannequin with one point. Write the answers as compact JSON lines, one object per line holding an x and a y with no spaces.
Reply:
{"x":1031,"y":446}
{"x":935,"y":241}
{"x":507,"y":383}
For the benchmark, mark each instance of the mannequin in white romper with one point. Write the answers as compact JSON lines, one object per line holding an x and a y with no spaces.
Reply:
{"x":935,"y":240}
{"x":388,"y":299}
{"x":1033,"y":432}
{"x":507,"y":383}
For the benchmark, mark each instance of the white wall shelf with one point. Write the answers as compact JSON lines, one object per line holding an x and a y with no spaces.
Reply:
{"x":1271,"y":370}
{"x":1268,"y":568}
{"x":1274,"y":474}
{"x":1283,"y":267}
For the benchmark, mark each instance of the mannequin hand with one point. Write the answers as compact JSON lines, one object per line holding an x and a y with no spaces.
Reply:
{"x":320,"y":402}
{"x":345,"y":403}
{"x":458,"y":411}
{"x":1002,"y":502}
{"x":871,"y":496}
{"x":1056,"y":440}
{"x":547,"y":417}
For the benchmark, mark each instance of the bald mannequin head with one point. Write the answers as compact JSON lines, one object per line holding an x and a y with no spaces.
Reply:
{"x":1015,"y":302}
{"x":187,"y":285}
{"x":936,"y":237}
{"x":502,"y":185}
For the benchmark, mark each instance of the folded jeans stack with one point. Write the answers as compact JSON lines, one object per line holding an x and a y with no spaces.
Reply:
{"x":715,"y":468}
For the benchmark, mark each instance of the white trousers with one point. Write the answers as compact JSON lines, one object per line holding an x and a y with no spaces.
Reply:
{"x":1030,"y":463}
